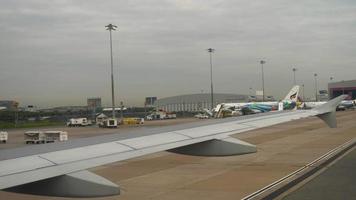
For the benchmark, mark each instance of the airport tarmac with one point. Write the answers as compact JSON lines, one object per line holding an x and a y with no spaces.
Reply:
{"x":336,"y":181}
{"x":281,"y":149}
{"x":16,"y":136}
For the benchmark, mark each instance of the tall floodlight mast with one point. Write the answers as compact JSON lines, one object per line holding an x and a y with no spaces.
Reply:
{"x":262,"y":62}
{"x":210,"y":50}
{"x":112,"y":27}
{"x":316,"y":86}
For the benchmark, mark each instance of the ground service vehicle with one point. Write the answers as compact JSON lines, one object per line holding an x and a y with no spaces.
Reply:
{"x":78,"y":122}
{"x":53,"y":136}
{"x":109,"y":123}
{"x":133,"y":121}
{"x":201,"y":116}
{"x":3,"y":136}
{"x":161,"y":115}
{"x":171,"y":116}
{"x":34,"y":137}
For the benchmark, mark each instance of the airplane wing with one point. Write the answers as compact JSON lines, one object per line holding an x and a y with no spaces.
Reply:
{"x":61,"y":170}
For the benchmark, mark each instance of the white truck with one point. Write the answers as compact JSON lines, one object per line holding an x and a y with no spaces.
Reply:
{"x":171,"y":116}
{"x":78,"y":122}
{"x":109,"y":123}
{"x":3,"y":136}
{"x":159,"y":116}
{"x":34,"y":137}
{"x":201,"y":116}
{"x":53,"y":136}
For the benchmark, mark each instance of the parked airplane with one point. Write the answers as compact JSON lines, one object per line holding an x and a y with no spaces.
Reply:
{"x":343,"y":104}
{"x":60,"y":169}
{"x":289,"y":102}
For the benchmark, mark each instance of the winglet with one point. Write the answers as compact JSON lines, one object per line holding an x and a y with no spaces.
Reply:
{"x":326,"y":112}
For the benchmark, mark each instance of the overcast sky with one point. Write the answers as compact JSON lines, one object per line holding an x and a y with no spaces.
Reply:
{"x":57,"y":52}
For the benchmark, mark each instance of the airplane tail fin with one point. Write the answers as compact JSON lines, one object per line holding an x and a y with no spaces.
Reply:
{"x":326,"y":111}
{"x":293,"y":94}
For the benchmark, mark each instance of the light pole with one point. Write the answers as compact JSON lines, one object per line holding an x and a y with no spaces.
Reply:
{"x":16,"y":116}
{"x":210,"y":50}
{"x":122,"y":110}
{"x":303,"y":93}
{"x":294,"y":81}
{"x":112,"y":27}
{"x":263,"y":80}
{"x":316,"y":87}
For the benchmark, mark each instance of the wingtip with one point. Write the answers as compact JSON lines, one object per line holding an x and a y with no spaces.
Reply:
{"x":331,"y":105}
{"x":326,"y":112}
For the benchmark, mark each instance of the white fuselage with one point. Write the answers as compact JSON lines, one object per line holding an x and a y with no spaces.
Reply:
{"x":240,"y":105}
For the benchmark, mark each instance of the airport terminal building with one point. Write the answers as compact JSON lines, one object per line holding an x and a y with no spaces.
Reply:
{"x":9,"y":104}
{"x":342,"y":87}
{"x":196,"y":102}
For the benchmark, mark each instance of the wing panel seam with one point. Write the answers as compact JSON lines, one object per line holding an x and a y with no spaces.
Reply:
{"x":126,"y":145}
{"x":47,"y":159}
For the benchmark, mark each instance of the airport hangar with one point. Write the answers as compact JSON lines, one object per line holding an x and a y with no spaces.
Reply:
{"x":342,"y":87}
{"x":196,"y":102}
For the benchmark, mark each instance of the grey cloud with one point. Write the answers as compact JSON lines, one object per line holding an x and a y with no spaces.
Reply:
{"x":56,"y":52}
